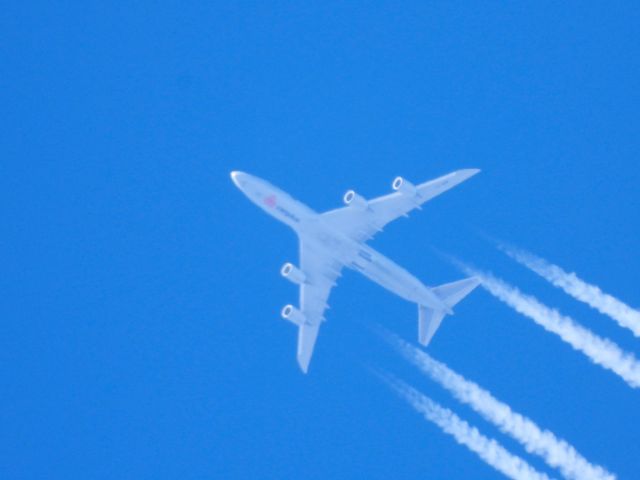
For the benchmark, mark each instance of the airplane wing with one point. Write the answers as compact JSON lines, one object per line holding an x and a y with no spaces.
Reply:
{"x":362,"y":224}
{"x":321,"y":273}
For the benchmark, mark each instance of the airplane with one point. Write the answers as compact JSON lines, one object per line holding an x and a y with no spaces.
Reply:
{"x":337,"y":238}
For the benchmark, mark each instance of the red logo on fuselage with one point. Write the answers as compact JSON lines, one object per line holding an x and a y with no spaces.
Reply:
{"x":270,"y":201}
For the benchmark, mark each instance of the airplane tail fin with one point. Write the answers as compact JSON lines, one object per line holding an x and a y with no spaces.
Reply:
{"x":430,"y":319}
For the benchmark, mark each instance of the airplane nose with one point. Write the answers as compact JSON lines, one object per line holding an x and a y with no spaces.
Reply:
{"x":237,"y":178}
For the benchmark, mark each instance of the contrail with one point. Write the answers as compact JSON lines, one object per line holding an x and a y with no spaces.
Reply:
{"x":487,"y":449}
{"x":600,"y":350}
{"x":622,"y":313}
{"x":556,"y":452}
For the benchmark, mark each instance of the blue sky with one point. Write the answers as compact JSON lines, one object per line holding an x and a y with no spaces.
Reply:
{"x":140,"y":332}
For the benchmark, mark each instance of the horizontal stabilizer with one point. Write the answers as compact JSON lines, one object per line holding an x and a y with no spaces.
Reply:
{"x":452,"y":293}
{"x":429,"y":319}
{"x":428,"y":322}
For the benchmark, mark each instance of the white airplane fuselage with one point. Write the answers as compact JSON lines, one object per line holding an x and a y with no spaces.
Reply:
{"x":350,"y":253}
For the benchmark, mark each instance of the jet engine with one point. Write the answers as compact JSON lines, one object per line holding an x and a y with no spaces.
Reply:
{"x":404,"y":186}
{"x":293,"y":274}
{"x":295,"y":316}
{"x":354,"y":200}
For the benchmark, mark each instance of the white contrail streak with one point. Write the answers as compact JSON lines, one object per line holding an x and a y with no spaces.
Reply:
{"x":556,"y":452}
{"x":487,"y":449}
{"x":622,"y":313}
{"x":600,"y":350}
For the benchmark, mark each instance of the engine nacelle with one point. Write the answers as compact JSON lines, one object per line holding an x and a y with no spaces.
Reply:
{"x":404,"y":186}
{"x":354,"y":200}
{"x":295,"y":316}
{"x":293,"y":274}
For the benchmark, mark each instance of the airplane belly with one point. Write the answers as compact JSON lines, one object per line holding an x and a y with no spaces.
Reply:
{"x":388,"y":275}
{"x":370,"y":263}
{"x":325,"y":242}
